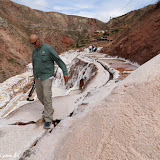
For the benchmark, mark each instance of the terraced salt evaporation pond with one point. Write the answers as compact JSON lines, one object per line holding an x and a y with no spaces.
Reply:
{"x":14,"y":97}
{"x":124,"y":67}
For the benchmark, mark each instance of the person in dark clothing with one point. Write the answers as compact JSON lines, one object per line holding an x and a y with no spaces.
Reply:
{"x":92,"y":47}
{"x":95,"y":49}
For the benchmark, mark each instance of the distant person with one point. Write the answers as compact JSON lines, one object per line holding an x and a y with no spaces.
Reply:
{"x":43,"y":58}
{"x":95,"y":49}
{"x":90,"y":48}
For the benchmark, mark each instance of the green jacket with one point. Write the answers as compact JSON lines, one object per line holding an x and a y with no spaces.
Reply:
{"x":43,"y":62}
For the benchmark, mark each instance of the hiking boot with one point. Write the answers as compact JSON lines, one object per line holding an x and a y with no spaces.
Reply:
{"x":47,"y":125}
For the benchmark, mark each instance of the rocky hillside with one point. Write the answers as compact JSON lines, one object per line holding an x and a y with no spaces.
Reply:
{"x":17,"y":22}
{"x":136,"y":34}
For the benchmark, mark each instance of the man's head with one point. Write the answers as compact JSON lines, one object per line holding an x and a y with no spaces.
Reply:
{"x":35,"y":41}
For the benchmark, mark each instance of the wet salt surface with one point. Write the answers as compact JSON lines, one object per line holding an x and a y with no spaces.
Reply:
{"x":79,"y":101}
{"x":121,"y":66}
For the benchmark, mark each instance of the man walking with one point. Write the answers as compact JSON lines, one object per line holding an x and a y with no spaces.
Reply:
{"x":43,"y":58}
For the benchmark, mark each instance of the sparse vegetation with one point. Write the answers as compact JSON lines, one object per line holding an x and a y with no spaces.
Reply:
{"x":13,"y":61}
{"x":113,"y":31}
{"x":77,"y":45}
{"x":105,"y":34}
{"x":3,"y":75}
{"x":71,"y":46}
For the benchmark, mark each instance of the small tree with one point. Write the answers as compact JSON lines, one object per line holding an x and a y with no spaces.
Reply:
{"x":77,"y":45}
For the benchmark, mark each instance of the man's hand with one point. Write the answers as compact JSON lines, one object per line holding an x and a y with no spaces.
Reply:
{"x":66,"y":78}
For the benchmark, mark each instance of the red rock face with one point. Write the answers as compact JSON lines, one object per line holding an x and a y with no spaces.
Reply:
{"x":140,"y":41}
{"x":67,"y":41}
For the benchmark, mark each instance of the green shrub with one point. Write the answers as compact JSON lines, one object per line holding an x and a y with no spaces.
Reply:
{"x":105,"y":34}
{"x":11,"y":60}
{"x":114,"y":30}
{"x":1,"y":55}
{"x":77,"y":45}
